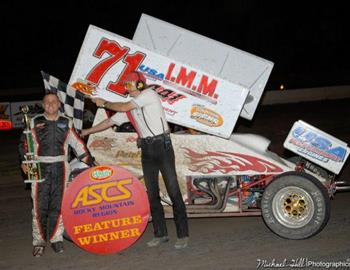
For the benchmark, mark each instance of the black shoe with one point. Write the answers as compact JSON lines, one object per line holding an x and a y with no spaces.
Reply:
{"x":38,"y":251}
{"x":57,"y":247}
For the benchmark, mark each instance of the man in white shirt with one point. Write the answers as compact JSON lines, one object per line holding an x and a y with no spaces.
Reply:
{"x":146,"y":113}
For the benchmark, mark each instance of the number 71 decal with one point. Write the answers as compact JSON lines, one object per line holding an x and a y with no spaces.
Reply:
{"x":116,"y":53}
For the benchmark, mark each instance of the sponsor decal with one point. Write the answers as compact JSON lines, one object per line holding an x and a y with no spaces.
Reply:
{"x":40,"y":125}
{"x":150,"y":72}
{"x":106,"y":216}
{"x":128,"y":154}
{"x":101,"y":173}
{"x":84,"y":87}
{"x":170,"y":111}
{"x":102,"y":144}
{"x":62,"y":125}
{"x":206,"y":116}
{"x":316,"y":146}
{"x":226,"y":162}
{"x":185,"y":81}
{"x":167,"y":95}
{"x":97,"y":193}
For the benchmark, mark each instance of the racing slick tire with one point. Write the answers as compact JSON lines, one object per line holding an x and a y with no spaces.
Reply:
{"x":295,"y":205}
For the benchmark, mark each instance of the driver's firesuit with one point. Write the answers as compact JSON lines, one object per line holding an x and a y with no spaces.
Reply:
{"x":51,"y":141}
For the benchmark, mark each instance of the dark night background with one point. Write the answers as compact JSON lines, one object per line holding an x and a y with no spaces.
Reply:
{"x":308,"y":44}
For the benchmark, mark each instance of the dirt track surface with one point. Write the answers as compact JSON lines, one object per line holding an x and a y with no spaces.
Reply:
{"x":215,"y":243}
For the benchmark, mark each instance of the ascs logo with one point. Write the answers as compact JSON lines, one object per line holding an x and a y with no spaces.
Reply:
{"x":104,"y":192}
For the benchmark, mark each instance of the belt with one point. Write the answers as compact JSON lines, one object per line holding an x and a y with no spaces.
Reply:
{"x":52,"y":159}
{"x":150,"y":140}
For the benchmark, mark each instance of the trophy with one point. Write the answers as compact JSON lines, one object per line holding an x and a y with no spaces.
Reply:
{"x":31,"y":161}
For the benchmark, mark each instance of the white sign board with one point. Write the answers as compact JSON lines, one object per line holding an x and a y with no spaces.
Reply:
{"x":35,"y":107}
{"x":190,"y":97}
{"x":317,"y":146}
{"x":216,"y":58}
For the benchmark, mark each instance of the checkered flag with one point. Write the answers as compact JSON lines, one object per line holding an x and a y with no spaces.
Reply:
{"x":72,"y":101}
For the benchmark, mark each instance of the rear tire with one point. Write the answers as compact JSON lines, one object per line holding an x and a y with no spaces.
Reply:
{"x":295,"y":205}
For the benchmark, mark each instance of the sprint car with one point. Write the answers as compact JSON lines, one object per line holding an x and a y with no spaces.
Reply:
{"x":206,"y":86}
{"x":238,"y":176}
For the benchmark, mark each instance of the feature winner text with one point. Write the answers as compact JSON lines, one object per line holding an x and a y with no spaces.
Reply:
{"x":94,"y":230}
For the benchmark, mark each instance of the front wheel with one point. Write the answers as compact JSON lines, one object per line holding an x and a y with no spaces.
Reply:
{"x":295,"y":205}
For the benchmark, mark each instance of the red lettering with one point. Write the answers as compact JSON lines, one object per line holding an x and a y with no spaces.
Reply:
{"x":205,"y":88}
{"x":115,"y":54}
{"x":174,"y":97}
{"x":167,"y":95}
{"x":170,"y":70}
{"x":132,"y":62}
{"x":185,"y":79}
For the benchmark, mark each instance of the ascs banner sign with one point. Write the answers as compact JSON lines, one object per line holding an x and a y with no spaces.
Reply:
{"x":190,"y":97}
{"x":105,"y":209}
